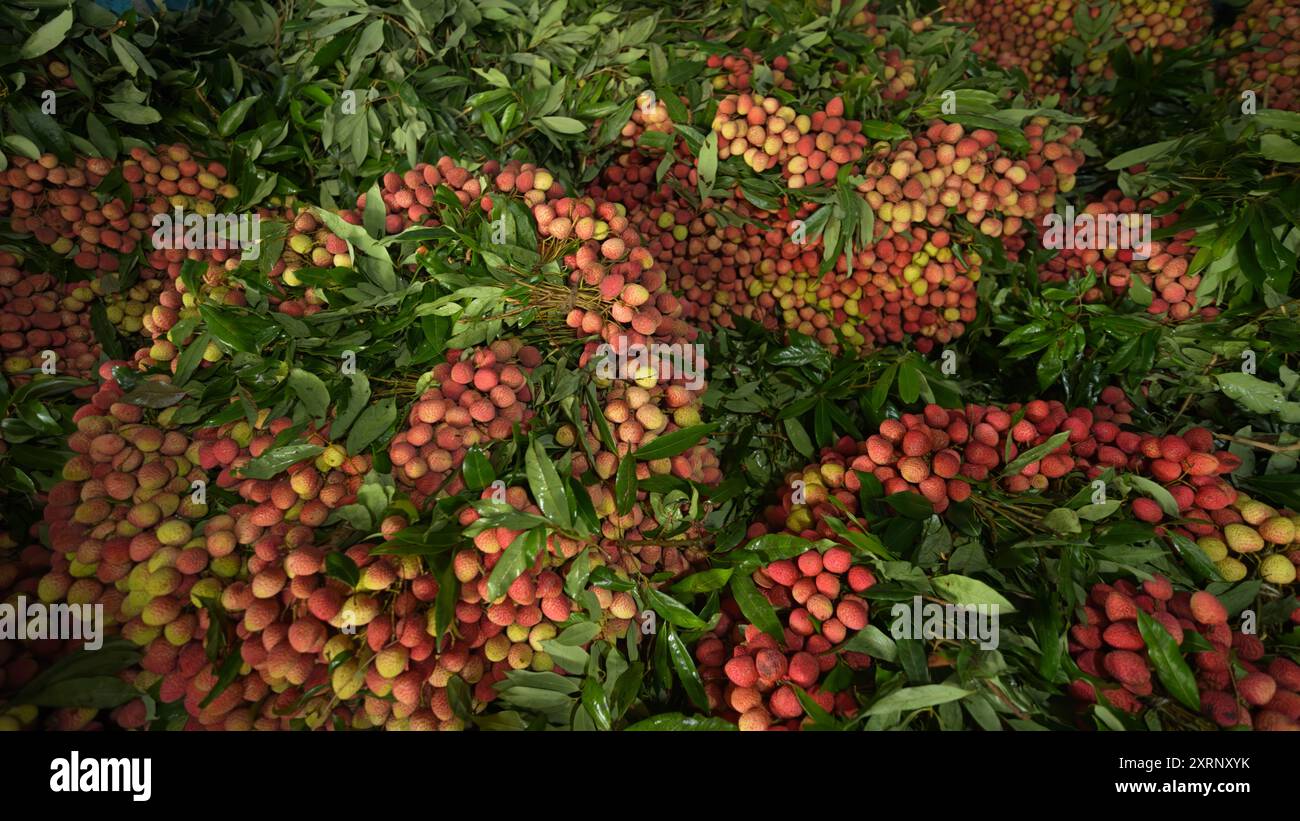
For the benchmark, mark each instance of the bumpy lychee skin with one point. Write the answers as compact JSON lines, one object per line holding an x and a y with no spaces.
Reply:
{"x":921,"y":288}
{"x":1262,"y":43}
{"x":1120,"y":607}
{"x":1124,"y":636}
{"x":1277,"y":569}
{"x":1159,"y":588}
{"x":454,"y":416}
{"x":1257,"y":688}
{"x":1242,"y":538}
{"x":1207,"y":609}
{"x":1147,"y":510}
{"x":1278,"y":530}
{"x":1036,"y":38}
{"x":1286,"y":673}
{"x":741,"y":671}
{"x":1127,"y":667}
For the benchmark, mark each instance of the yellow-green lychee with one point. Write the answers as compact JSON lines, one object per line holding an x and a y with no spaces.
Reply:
{"x":1254,"y":512}
{"x":1277,"y":530}
{"x":1232,"y":570}
{"x":1277,"y":569}
{"x":1242,"y":538}
{"x":1214,"y":549}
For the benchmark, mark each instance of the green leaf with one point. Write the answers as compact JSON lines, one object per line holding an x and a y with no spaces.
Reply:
{"x":877,"y":130}
{"x":625,"y":486}
{"x":575,"y":581}
{"x":47,"y":36}
{"x":444,"y":607}
{"x":880,"y":390}
{"x":517,"y":558}
{"x":545,"y":483}
{"x":1156,"y":491}
{"x":579,"y":634}
{"x":23,"y":146}
{"x":1171,"y":667}
{"x":798,"y":437}
{"x":226,"y":329}
{"x":370,"y":41}
{"x":676,"y":721}
{"x":1278,"y":148}
{"x":626,"y":688}
{"x":531,"y":698}
{"x":1194,"y":557}
{"x":379,"y":269}
{"x":1062,"y":520}
{"x":674,"y":443}
{"x":1141,"y":155}
{"x":874,"y":642}
{"x":821,"y":720}
{"x":595,"y":703}
{"x":500,"y":514}
{"x":340,"y":566}
{"x":225,"y":675}
{"x":190,"y":359}
{"x":477,"y":469}
{"x":311,"y":391}
{"x":133,"y":113}
{"x":685,"y":667}
{"x":672,"y":610}
{"x":909,"y":381}
{"x":39,"y":418}
{"x":373,"y":217}
{"x":707,"y":165}
{"x":1258,"y":396}
{"x":755,"y":606}
{"x":100,"y":692}
{"x":112,"y":657}
{"x":910,"y":504}
{"x":774,"y":546}
{"x":1279,"y":119}
{"x":1095,"y":513}
{"x":914,"y":660}
{"x":371,"y":424}
{"x":563,"y":125}
{"x":1047,"y":630}
{"x":612,"y":126}
{"x":1139,"y":291}
{"x":658,"y":63}
{"x":915,"y":698}
{"x":130,"y":57}
{"x":156,"y":395}
{"x":704,"y":581}
{"x":1034,"y":454}
{"x":273,"y":461}
{"x":358,"y":396}
{"x":1239,"y":596}
{"x":965,"y":590}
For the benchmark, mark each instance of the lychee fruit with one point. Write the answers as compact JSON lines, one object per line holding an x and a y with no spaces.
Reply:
{"x":1207,"y":609}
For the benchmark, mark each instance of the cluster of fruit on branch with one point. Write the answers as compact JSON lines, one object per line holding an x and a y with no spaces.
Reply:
{"x":415,"y":462}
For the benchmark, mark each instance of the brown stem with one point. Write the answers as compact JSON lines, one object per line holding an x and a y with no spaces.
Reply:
{"x":1002,"y":698}
{"x":118,"y":26}
{"x":203,"y":99}
{"x":1188,"y":400}
{"x":1255,"y":443}
{"x":655,"y":542}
